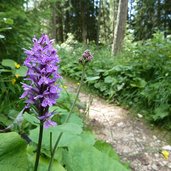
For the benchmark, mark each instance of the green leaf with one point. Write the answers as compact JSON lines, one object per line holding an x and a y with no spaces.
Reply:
{"x":92,"y":78}
{"x":70,"y":127}
{"x":12,"y":152}
{"x":82,"y":157}
{"x":70,"y":131}
{"x":107,"y":149}
{"x":43,"y":162}
{"x":88,"y":138}
{"x":21,"y":71}
{"x":9,"y":21}
{"x":30,"y":118}
{"x":97,"y":85}
{"x":74,"y":119}
{"x":161,"y":112}
{"x":109,"y":80}
{"x":8,"y":63}
{"x":138,"y":82}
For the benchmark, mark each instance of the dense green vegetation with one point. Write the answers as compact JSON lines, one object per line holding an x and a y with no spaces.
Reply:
{"x":76,"y":139}
{"x":138,"y":78}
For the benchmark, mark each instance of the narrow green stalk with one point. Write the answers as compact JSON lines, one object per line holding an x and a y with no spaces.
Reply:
{"x":51,"y":143}
{"x":39,"y":146}
{"x":76,"y":98}
{"x":67,"y":119}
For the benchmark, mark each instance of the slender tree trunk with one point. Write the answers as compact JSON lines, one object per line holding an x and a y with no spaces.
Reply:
{"x":115,"y":9}
{"x":159,"y":14}
{"x":104,"y":22}
{"x":59,"y":22}
{"x":84,"y":25}
{"x":98,"y":23}
{"x":67,"y":28}
{"x":165,"y":19}
{"x":53,"y":21}
{"x":120,"y":26}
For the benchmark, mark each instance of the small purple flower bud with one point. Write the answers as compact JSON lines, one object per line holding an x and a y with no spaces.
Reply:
{"x":42,"y":73}
{"x":86,"y":57}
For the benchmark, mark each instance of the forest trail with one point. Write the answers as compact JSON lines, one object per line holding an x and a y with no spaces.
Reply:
{"x":133,"y":140}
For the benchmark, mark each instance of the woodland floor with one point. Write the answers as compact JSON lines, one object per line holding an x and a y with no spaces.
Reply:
{"x":134,"y":140}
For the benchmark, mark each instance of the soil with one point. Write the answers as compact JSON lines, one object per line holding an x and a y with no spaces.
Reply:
{"x":133,"y":139}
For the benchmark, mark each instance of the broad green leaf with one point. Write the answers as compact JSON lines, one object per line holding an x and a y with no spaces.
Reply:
{"x":5,"y":70}
{"x":21,"y":71}
{"x":9,"y":21}
{"x":12,"y":152}
{"x":100,"y":70}
{"x":109,"y":80}
{"x":4,"y":120}
{"x":161,"y":112}
{"x":30,"y":118}
{"x":120,"y":87}
{"x":88,"y":138}
{"x":97,"y":85}
{"x":70,"y":127}
{"x":138,"y":82}
{"x":70,"y":134}
{"x":43,"y":163}
{"x":106,"y":148}
{"x":82,"y":157}
{"x":8,"y":63}
{"x":92,"y":78}
{"x":103,"y":87}
{"x":63,"y":112}
{"x":74,"y":119}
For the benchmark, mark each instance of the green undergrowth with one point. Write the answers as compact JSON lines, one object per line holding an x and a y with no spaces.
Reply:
{"x":78,"y":149}
{"x":11,"y":75}
{"x":138,"y":78}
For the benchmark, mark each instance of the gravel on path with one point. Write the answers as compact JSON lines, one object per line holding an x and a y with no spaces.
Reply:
{"x":133,"y":140}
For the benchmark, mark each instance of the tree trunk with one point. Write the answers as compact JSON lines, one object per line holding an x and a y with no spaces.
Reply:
{"x":120,"y":26}
{"x":53,"y":26}
{"x":83,"y":22}
{"x":98,"y":22}
{"x":115,"y":9}
{"x":59,"y":22}
{"x":159,"y":14}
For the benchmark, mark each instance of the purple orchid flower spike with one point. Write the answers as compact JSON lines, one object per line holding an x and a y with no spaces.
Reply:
{"x":42,"y":91}
{"x":86,"y":57}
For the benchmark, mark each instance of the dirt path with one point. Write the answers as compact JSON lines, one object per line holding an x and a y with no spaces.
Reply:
{"x":135,"y":142}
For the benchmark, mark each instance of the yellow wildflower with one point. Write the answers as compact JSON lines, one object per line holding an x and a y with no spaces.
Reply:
{"x":17,"y":75}
{"x":78,"y":83}
{"x":165,"y":154}
{"x":65,"y":87}
{"x":13,"y":81}
{"x":17,"y":65}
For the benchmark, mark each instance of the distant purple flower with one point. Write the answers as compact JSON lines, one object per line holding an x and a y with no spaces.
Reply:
{"x":86,"y":57}
{"x":42,"y":91}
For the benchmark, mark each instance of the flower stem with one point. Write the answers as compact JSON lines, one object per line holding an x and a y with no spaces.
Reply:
{"x":39,"y":146}
{"x":67,"y":119}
